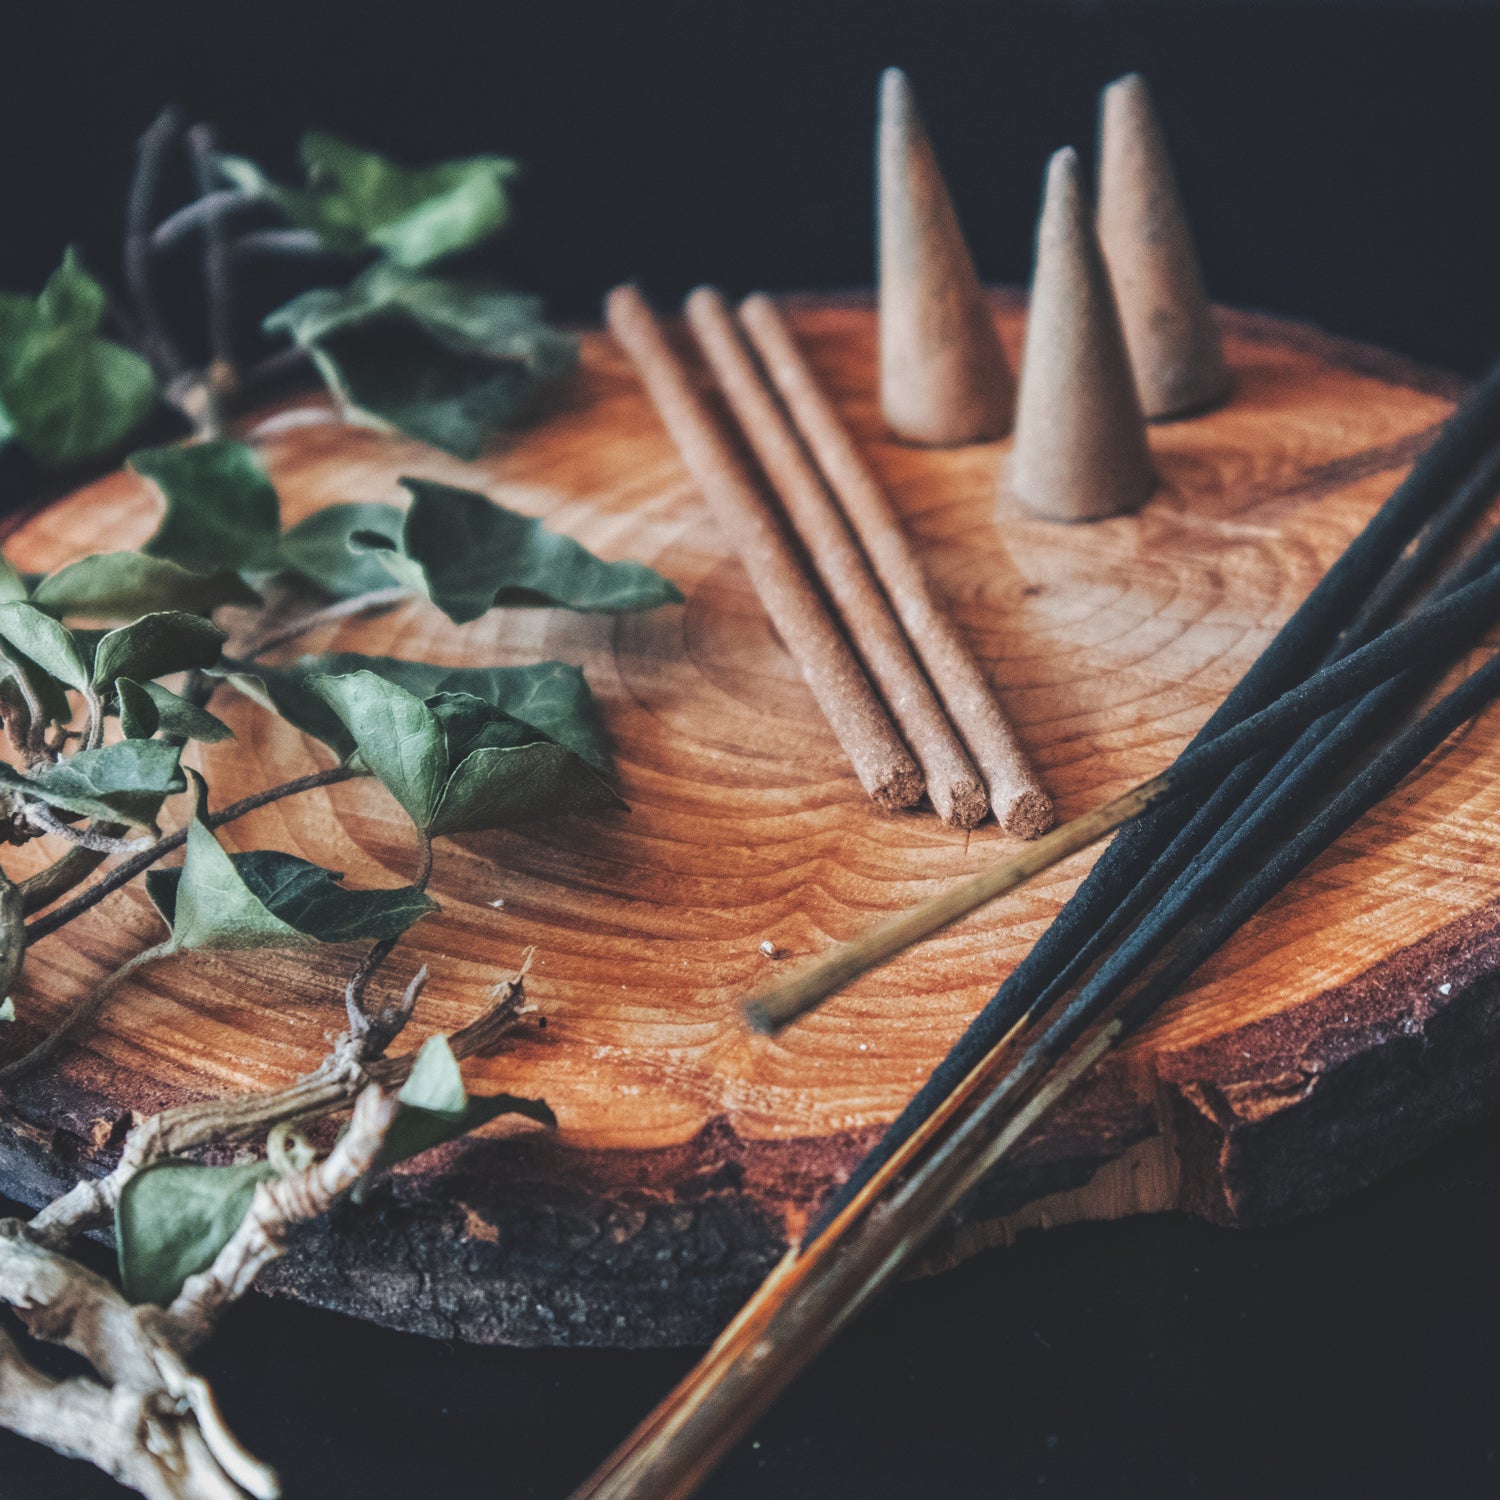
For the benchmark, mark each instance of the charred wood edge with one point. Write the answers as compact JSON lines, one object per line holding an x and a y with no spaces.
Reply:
{"x":539,"y":1244}
{"x":530,"y":1242}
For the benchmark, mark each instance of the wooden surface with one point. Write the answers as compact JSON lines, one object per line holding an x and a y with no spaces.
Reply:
{"x":1348,"y":1026}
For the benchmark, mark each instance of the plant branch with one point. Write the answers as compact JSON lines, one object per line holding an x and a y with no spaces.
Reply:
{"x":159,"y":346}
{"x":378,"y":1031}
{"x":217,"y":283}
{"x":302,"y":243}
{"x":48,"y":885}
{"x":41,"y":817}
{"x":227,"y":1122}
{"x":84,"y":1011}
{"x":341,"y":609}
{"x":125,"y":872}
{"x":212,"y":208}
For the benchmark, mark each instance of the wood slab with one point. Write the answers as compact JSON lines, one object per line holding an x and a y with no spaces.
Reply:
{"x":1345,"y":1029}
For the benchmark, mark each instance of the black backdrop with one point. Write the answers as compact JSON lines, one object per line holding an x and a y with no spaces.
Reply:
{"x":1340,"y":161}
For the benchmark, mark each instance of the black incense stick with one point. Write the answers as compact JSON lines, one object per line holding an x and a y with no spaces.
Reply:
{"x":1348,"y":594}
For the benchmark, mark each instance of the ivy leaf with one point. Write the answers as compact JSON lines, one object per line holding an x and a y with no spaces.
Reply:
{"x":123,"y":585}
{"x":156,"y":645}
{"x":357,"y":201}
{"x":13,"y":588}
{"x":44,"y":641}
{"x":444,"y":360}
{"x":318,"y":548}
{"x":267,"y":899}
{"x":173,"y":1217}
{"x":434,"y":1106}
{"x":66,"y":393}
{"x":222,"y":510}
{"x":470,"y":554}
{"x":551,"y":696}
{"x":456,"y":764}
{"x":125,"y":782}
{"x":397,"y":735}
{"x":148,"y":707}
{"x":500,"y":787}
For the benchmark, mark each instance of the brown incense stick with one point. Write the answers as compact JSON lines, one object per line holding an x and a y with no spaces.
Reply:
{"x":880,"y":760}
{"x":1021,"y":806}
{"x":954,"y":786}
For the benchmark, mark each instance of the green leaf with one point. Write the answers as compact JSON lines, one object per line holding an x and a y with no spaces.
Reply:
{"x":444,"y":360}
{"x":434,"y":1106}
{"x":156,"y":645}
{"x":126,"y":782}
{"x":474,"y":554}
{"x":207,"y":905}
{"x":173,"y":1217}
{"x":500,"y":787}
{"x":41,"y":639}
{"x":397,"y":736}
{"x":65,"y":392}
{"x":356,"y":201}
{"x":122,"y":585}
{"x":222,"y":510}
{"x":12,"y":585}
{"x":301,"y":896}
{"x":148,"y":707}
{"x":551,"y":696}
{"x":318,"y":548}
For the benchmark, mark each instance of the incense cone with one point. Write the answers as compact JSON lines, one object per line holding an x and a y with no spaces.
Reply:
{"x":944,"y":378}
{"x":1080,"y":449}
{"x":1170,"y":331}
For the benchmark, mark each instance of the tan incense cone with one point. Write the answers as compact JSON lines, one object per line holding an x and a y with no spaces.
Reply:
{"x":1080,"y":450}
{"x":1170,"y":330}
{"x":944,"y":378}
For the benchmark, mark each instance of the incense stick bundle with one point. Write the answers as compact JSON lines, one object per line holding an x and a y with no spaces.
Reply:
{"x":880,"y":760}
{"x":1123,"y":875}
{"x":953,"y":785}
{"x":1021,"y":806}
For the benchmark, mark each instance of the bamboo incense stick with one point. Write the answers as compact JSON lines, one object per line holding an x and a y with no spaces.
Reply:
{"x":953,"y":785}
{"x":1438,"y":628}
{"x":864,"y":729}
{"x":1021,"y":806}
{"x":819,"y":1288}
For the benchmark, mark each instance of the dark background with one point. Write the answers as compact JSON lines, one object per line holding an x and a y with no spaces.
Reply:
{"x":1340,"y":161}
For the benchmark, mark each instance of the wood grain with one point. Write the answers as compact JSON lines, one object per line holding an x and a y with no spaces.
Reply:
{"x":1350,"y":1024}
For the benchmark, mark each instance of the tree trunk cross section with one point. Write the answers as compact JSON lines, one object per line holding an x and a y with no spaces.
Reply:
{"x":1349,"y":1025}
